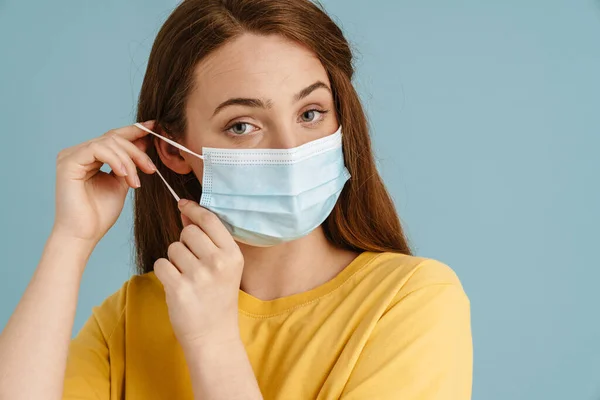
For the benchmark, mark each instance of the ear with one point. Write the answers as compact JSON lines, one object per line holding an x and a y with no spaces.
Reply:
{"x":170,"y":155}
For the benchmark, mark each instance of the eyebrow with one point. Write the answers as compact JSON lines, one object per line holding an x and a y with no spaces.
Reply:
{"x":309,"y":89}
{"x":258,"y":103}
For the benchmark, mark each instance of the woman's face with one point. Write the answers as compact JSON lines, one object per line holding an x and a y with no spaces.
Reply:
{"x":258,"y":92}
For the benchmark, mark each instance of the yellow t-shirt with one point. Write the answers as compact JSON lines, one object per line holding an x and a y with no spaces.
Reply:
{"x":389,"y":326}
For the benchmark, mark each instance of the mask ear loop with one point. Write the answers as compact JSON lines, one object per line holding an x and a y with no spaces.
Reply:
{"x":168,"y":186}
{"x":172,"y":143}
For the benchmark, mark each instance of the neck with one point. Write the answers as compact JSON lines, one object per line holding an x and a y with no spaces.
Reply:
{"x":292,"y":267}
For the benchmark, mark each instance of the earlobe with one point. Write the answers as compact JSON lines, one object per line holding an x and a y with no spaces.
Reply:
{"x":171,"y":157}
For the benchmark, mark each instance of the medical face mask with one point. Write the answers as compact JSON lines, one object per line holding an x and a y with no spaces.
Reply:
{"x":269,"y":196}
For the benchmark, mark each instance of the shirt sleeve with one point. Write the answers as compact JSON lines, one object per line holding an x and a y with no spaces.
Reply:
{"x":421,"y":348}
{"x":88,"y":372}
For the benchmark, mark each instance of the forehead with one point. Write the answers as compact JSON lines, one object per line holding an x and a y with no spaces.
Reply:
{"x":257,"y":66}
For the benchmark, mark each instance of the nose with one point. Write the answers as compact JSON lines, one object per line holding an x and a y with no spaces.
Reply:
{"x":283,"y":138}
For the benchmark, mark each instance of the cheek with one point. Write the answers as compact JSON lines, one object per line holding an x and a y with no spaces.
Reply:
{"x":195,"y":164}
{"x":198,"y":168}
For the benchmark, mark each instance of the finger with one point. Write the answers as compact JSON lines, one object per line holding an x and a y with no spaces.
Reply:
{"x":143,"y":143}
{"x":197,"y":241}
{"x":132,"y":132}
{"x":167,"y":273}
{"x":64,"y":153}
{"x":122,"y":132}
{"x":94,"y":154}
{"x":185,"y":221}
{"x":139,"y":157}
{"x":182,"y":258}
{"x":132,"y":177}
{"x":208,"y":222}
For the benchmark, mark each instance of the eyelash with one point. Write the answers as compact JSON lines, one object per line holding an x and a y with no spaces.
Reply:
{"x":323,"y":112}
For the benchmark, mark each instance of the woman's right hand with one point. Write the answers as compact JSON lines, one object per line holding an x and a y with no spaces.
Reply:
{"x":89,"y":201}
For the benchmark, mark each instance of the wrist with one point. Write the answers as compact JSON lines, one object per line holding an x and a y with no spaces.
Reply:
{"x":212,"y":344}
{"x":220,"y":368}
{"x":80,"y":249}
{"x":217,"y":355}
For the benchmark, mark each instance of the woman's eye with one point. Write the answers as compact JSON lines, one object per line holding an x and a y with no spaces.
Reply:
{"x":309,"y":116}
{"x":240,"y":128}
{"x":313,"y":115}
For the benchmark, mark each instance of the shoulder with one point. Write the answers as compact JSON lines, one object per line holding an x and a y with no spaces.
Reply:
{"x":422,"y":330}
{"x":146,"y":285}
{"x":408,"y":276}
{"x":413,"y":272}
{"x":423,"y":296}
{"x":139,"y":293}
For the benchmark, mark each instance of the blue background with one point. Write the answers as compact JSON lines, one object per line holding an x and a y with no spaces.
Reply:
{"x":485,"y":117}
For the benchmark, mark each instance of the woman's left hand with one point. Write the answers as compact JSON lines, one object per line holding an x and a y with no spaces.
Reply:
{"x":202,"y":279}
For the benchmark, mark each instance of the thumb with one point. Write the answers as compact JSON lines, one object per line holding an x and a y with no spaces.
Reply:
{"x":121,"y":180}
{"x":185,"y":220}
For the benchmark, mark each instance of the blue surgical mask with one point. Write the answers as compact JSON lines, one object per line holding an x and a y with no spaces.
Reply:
{"x":269,"y":196}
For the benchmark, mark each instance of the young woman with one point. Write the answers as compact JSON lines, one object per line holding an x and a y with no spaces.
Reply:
{"x":284,"y":275}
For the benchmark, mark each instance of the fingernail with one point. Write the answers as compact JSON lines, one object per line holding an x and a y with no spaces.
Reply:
{"x":136,"y":181}
{"x":151,"y":165}
{"x":124,"y":169}
{"x":183,"y":202}
{"x":148,"y":124}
